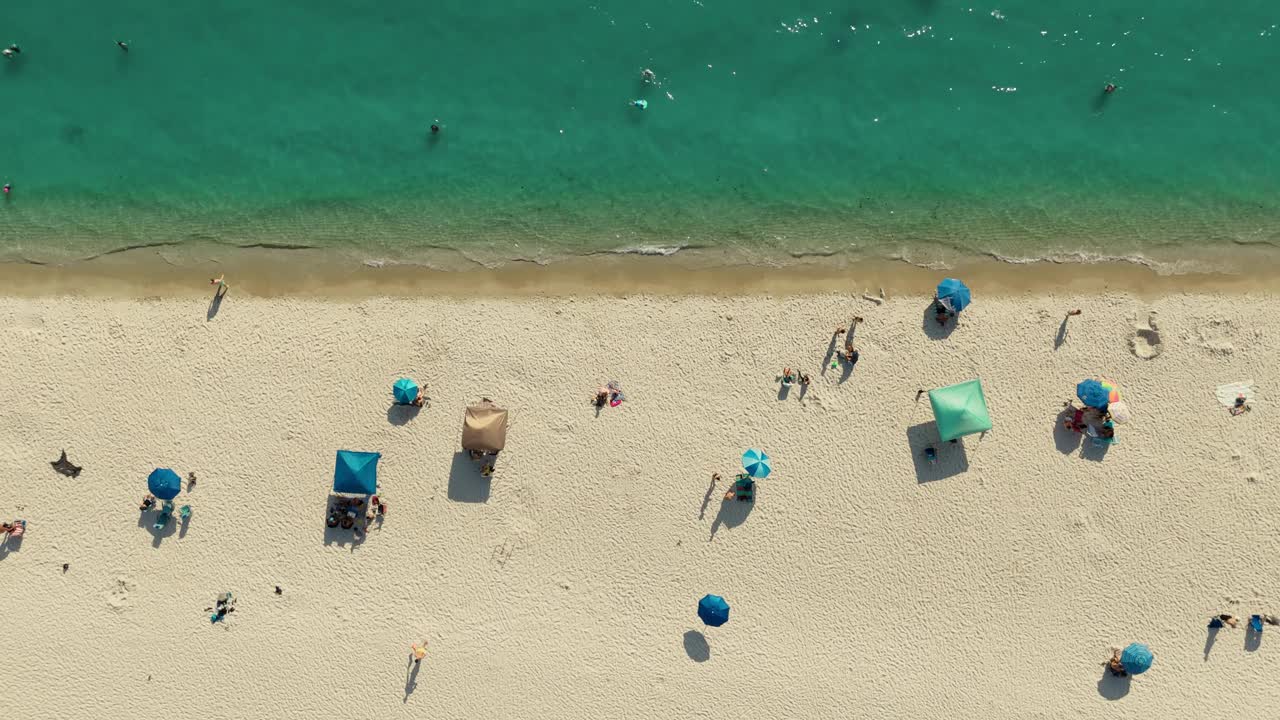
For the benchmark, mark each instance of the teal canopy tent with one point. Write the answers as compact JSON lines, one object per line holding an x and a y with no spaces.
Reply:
{"x":960,"y":410}
{"x":356,"y":473}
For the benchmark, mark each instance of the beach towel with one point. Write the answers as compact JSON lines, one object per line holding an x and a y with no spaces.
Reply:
{"x":1228,"y":393}
{"x":64,"y":466}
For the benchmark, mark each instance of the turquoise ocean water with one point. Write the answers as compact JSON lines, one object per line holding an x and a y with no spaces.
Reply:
{"x":925,"y":130}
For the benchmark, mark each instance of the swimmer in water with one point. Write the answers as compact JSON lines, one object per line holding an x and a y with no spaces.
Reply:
{"x":648,"y":76}
{"x":435,"y":129}
{"x":1110,"y":88}
{"x":642,"y":104}
{"x":11,"y":51}
{"x":124,"y":46}
{"x":6,"y":188}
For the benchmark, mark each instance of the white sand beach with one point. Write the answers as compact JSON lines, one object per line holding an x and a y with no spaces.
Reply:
{"x":863,"y":581}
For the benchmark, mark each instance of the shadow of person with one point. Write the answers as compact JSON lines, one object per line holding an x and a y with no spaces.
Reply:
{"x":783,"y":391}
{"x":932,"y":329}
{"x":706,"y":499}
{"x":732,"y":514}
{"x":183,"y":526}
{"x":1065,"y":440}
{"x":401,"y":414}
{"x":216,"y":303}
{"x":831,"y":352}
{"x":1062,"y":334}
{"x":1209,"y":640}
{"x":846,"y":370}
{"x":1100,"y":100}
{"x":1113,"y":687}
{"x":411,"y":678}
{"x":696,"y":647}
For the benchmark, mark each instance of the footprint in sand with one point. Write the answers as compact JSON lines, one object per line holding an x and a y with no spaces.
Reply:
{"x":118,"y":596}
{"x":1146,"y":343}
{"x":1216,"y":336}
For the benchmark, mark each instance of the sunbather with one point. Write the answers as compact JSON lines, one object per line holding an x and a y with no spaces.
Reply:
{"x":1115,"y":666}
{"x":148,"y":502}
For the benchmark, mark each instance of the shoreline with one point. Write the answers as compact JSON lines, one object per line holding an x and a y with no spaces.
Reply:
{"x":267,"y":272}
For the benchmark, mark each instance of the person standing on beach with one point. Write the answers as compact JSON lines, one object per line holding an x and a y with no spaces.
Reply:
{"x":221,"y":282}
{"x":419,"y":652}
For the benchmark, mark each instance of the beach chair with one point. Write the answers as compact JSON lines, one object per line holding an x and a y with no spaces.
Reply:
{"x":1255,"y":623}
{"x":744,"y":489}
{"x":166,"y":514}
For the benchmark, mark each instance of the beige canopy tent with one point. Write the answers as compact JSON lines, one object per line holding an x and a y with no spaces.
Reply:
{"x":484,"y":429}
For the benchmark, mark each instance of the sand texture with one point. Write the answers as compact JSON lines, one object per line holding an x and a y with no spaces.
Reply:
{"x":864,"y":582}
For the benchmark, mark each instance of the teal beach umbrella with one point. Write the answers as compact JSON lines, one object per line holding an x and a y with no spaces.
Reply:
{"x":405,"y":391}
{"x":1137,"y":658}
{"x":756,"y":463}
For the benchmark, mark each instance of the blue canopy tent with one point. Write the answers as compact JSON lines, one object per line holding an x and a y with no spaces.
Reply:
{"x":356,"y":473}
{"x":713,"y":610}
{"x":164,"y":483}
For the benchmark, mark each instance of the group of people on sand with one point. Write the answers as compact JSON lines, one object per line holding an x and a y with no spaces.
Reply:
{"x":345,"y":511}
{"x":610,"y":395}
{"x":1094,"y":422}
{"x":225,"y":604}
{"x":849,"y":355}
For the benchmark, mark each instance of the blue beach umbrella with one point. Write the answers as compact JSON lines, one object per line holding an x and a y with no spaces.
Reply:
{"x":713,"y":610}
{"x":405,"y":391}
{"x":356,"y":473}
{"x":1136,"y":658}
{"x":756,"y":463}
{"x":164,"y":483}
{"x":953,"y":294}
{"x":1097,"y":393}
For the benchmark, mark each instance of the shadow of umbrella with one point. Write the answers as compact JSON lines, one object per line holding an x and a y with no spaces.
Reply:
{"x":1113,"y":687}
{"x":696,"y":646}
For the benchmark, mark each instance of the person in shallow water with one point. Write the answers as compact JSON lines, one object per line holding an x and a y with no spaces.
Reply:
{"x":1110,"y":88}
{"x":124,"y":46}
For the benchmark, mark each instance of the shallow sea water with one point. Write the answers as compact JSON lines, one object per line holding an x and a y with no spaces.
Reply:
{"x":925,"y":130}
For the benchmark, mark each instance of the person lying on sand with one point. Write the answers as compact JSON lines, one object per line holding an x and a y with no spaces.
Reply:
{"x":148,"y":502}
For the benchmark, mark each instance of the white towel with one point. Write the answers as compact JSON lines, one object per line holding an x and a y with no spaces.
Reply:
{"x":1228,"y":393}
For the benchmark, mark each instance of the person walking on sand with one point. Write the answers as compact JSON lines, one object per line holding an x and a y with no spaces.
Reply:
{"x":419,"y":652}
{"x":853,"y":325}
